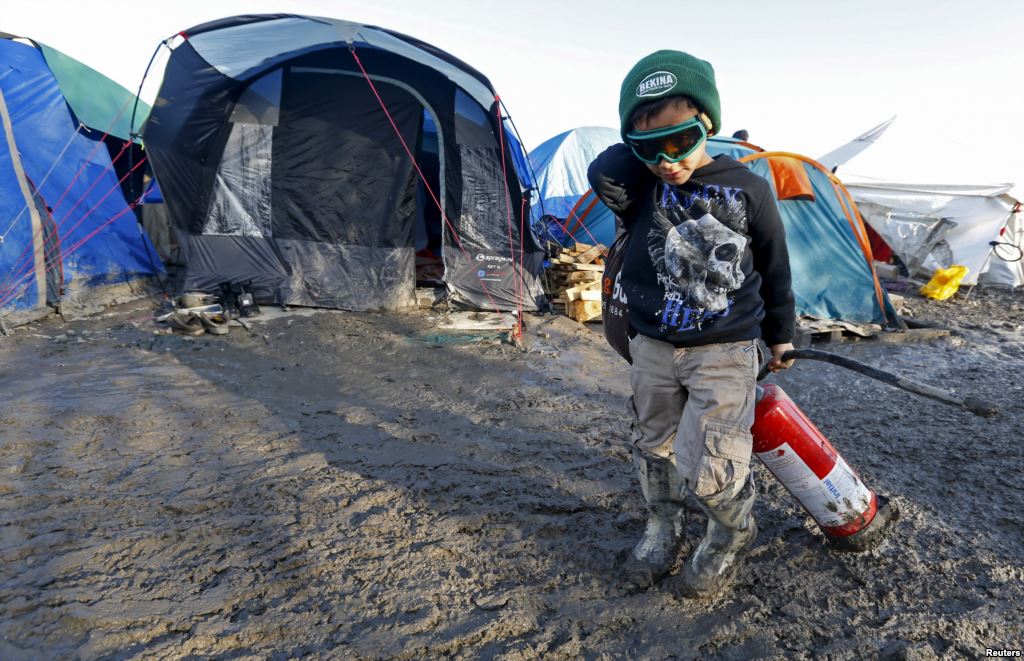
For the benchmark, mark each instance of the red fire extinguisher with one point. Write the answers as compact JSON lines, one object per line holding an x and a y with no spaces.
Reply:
{"x":850,"y":514}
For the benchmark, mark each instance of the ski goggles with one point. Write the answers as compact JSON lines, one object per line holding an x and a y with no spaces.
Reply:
{"x":672,"y":143}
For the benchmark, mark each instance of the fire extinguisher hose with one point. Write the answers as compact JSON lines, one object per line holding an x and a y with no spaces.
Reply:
{"x":972,"y":404}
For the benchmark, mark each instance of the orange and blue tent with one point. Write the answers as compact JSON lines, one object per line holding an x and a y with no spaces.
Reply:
{"x":830,"y":254}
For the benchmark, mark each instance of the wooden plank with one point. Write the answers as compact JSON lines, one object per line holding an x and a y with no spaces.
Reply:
{"x":584,"y":267}
{"x":478,"y":321}
{"x":583,"y":247}
{"x":585,"y":310}
{"x":592,"y":254}
{"x":428,"y":297}
{"x":835,"y":335}
{"x":573,"y":293}
{"x":590,"y":295}
{"x":584,"y":276}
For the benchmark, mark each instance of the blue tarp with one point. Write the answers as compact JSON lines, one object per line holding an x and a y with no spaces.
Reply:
{"x":831,"y":276}
{"x":51,"y":154}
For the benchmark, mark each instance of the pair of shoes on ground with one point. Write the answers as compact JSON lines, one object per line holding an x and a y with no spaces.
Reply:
{"x":194,"y":324}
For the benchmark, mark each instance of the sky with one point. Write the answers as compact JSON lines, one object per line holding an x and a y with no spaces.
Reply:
{"x":799,"y":75}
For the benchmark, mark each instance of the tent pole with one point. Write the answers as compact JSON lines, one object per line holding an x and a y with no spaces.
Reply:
{"x":970,"y":289}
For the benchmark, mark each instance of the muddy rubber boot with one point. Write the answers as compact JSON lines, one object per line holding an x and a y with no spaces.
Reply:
{"x":731,"y":530}
{"x":653,"y":556}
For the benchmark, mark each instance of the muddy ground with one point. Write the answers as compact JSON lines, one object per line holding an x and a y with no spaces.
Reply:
{"x":365,"y":486}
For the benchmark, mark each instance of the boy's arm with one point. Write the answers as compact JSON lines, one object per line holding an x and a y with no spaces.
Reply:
{"x":771,"y":260}
{"x":618,"y":179}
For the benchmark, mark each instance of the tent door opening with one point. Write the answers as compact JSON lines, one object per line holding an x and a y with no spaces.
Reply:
{"x":344,"y":191}
{"x":338,"y":204}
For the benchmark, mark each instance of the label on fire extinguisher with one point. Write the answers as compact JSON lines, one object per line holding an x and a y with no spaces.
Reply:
{"x":834,"y":500}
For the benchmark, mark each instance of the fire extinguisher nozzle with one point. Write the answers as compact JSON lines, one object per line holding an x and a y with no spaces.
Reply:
{"x":873,"y":533}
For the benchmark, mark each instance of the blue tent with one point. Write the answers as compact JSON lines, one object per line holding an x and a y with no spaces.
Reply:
{"x":66,"y":231}
{"x":261,"y":137}
{"x":561,"y":165}
{"x":830,"y":257}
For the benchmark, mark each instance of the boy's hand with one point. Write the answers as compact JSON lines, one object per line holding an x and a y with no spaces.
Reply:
{"x":776,"y":363}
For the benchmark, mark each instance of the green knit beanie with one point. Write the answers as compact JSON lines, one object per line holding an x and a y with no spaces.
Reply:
{"x":670,"y":73}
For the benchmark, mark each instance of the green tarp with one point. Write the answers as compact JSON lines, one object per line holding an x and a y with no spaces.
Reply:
{"x":97,"y":101}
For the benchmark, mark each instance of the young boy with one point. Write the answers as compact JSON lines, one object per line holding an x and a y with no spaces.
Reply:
{"x":705,"y":274}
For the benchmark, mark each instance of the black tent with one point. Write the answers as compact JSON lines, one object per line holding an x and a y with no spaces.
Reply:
{"x":316,"y":157}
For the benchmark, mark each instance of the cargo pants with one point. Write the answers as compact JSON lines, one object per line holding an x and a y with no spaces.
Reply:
{"x":695,"y":406}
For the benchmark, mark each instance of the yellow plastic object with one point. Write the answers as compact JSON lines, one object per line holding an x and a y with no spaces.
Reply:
{"x":944,"y":283}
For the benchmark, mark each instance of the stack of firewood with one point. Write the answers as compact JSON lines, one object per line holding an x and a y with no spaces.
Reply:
{"x":575,"y":281}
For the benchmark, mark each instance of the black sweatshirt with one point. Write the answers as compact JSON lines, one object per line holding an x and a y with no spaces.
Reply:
{"x":706,"y":262}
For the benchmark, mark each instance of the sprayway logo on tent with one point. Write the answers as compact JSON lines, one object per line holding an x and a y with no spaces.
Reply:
{"x":656,"y":84}
{"x":492,"y":258}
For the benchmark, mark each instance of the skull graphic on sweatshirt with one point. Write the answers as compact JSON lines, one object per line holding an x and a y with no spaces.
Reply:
{"x":698,"y":260}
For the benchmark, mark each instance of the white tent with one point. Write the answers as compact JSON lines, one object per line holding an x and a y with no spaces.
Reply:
{"x":941,"y":217}
{"x":936,"y":226}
